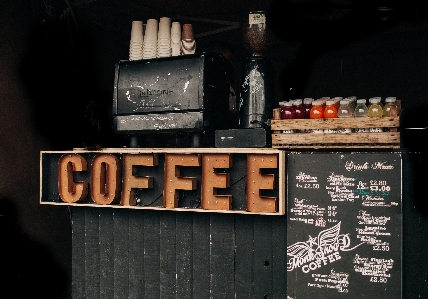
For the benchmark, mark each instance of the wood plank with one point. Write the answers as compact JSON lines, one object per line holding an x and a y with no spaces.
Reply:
{"x":121,"y":253}
{"x":335,"y":123}
{"x":167,"y":255}
{"x":222,"y":256}
{"x":151,"y":225}
{"x":338,"y":146}
{"x":263,"y":273}
{"x":201,"y":274}
{"x":325,"y":138}
{"x":136,"y":254}
{"x":279,"y":257}
{"x":78,"y":253}
{"x":244,"y":256}
{"x":106,"y":239}
{"x":183,"y":261}
{"x":92,"y":250}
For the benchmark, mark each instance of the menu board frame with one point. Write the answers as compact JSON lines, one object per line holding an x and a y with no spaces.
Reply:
{"x":344,"y":225}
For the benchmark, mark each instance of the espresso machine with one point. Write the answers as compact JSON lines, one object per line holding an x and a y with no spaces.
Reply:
{"x":185,"y":96}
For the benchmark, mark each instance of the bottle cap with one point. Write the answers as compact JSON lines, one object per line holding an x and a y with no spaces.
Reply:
{"x":390,"y":99}
{"x":308,"y":100}
{"x":344,"y":102}
{"x":297,"y":102}
{"x":374,"y":100}
{"x":288,"y":104}
{"x":361,"y":101}
{"x":329,"y":102}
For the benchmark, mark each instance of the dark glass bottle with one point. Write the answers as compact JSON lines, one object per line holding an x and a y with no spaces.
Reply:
{"x":257,"y":93}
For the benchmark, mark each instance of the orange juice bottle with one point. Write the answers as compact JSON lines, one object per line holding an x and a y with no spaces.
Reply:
{"x":317,"y":110}
{"x":330,"y":110}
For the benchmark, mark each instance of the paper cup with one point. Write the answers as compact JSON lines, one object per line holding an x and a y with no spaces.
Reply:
{"x":137,"y":32}
{"x":164,"y":28}
{"x":187,"y":32}
{"x":151,"y":31}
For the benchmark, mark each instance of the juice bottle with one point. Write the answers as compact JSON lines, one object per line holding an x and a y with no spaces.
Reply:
{"x":345,"y":109}
{"x":330,"y":110}
{"x":352,"y":103}
{"x":288,"y":113}
{"x":307,"y":105}
{"x":375,"y":107}
{"x":298,"y":109}
{"x":317,"y":110}
{"x":361,"y":110}
{"x":390,"y":108}
{"x":375,"y":110}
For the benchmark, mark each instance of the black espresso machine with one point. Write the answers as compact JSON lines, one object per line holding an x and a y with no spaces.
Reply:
{"x":187,"y":94}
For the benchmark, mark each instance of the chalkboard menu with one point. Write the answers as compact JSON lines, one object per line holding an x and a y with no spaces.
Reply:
{"x":344,"y":225}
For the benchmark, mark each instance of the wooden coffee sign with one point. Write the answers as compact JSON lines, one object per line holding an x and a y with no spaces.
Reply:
{"x":203,"y":180}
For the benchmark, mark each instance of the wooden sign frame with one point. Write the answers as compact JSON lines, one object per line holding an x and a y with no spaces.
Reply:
{"x":224,"y":180}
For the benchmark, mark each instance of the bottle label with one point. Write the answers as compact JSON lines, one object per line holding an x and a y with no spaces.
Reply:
{"x":256,"y":18}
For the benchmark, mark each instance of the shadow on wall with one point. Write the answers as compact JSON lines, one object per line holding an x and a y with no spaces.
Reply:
{"x":27,"y":268}
{"x":59,"y":74}
{"x":323,"y":26}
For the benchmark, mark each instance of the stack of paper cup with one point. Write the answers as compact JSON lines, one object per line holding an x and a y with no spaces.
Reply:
{"x":188,"y":44}
{"x":164,"y":38}
{"x":150,"y":39}
{"x":175,"y":39}
{"x":137,"y":41}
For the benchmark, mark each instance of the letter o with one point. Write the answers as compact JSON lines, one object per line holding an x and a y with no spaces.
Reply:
{"x":305,"y":269}
{"x":105,"y":179}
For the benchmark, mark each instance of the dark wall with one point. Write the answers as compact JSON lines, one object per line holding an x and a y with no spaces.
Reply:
{"x":35,"y":240}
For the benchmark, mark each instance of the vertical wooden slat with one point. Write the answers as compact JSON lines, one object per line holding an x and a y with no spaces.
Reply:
{"x":106,"y":240}
{"x":279,"y":257}
{"x":222,"y":255}
{"x":78,"y":253}
{"x":92,"y":249}
{"x":136,"y":254}
{"x":244,"y":256}
{"x":183,"y":255}
{"x":121,"y":253}
{"x":262,"y":257}
{"x":151,"y":254}
{"x":167,"y":265}
{"x":201,"y":255}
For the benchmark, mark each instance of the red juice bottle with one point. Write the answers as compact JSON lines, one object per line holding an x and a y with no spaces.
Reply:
{"x":299,"y":111}
{"x":288,"y":111}
{"x":307,"y":105}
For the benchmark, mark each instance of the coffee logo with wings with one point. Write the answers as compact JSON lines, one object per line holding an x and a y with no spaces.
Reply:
{"x":318,"y":251}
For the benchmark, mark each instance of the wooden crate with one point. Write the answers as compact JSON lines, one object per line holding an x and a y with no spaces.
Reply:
{"x":390,"y":138}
